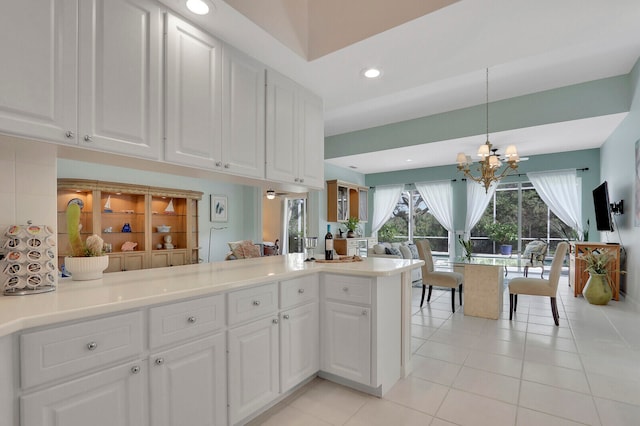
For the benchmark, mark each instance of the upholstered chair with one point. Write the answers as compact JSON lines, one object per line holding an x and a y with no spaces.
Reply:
{"x":533,"y":256}
{"x":431,"y":277}
{"x":539,"y":286}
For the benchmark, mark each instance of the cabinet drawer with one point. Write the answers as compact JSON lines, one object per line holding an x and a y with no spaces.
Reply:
{"x":252,"y":303}
{"x":298,"y":290}
{"x":348,"y":289}
{"x":183,"y":320}
{"x":62,"y":351}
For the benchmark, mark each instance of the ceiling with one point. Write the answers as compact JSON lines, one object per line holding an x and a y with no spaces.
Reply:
{"x":433,"y":55}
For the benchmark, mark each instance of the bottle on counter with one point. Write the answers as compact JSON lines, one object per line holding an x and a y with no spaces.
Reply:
{"x":328,"y":244}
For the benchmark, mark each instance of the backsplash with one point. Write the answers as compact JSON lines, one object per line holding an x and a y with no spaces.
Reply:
{"x":28,"y":183}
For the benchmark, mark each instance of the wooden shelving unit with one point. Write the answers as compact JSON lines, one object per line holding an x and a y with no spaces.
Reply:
{"x":108,"y":206}
{"x":345,"y":200}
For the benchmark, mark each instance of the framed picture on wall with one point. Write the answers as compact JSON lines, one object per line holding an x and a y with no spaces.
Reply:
{"x":219,"y":208}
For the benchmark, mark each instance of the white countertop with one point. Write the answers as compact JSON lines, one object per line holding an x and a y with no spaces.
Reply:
{"x":120,"y":291}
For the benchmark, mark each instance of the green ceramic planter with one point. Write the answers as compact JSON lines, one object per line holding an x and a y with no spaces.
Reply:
{"x":597,"y":291}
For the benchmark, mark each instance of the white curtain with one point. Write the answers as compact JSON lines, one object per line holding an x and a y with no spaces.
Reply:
{"x":438,"y":196}
{"x":385,"y":199}
{"x":477,"y":201}
{"x":561,"y":191}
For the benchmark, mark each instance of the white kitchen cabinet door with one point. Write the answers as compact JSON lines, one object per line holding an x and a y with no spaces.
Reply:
{"x":299,"y":345}
{"x":253,"y":367}
{"x":38,"y":74}
{"x":113,"y":397}
{"x":282,"y":129}
{"x":119,"y":75}
{"x":346,"y":341}
{"x":188,"y":384}
{"x":243,"y":113}
{"x":194,"y":96}
{"x":311,"y":154}
{"x":295,"y":133}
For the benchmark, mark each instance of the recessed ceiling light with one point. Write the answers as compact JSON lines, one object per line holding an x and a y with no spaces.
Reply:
{"x":409,"y":160}
{"x":372,"y":73}
{"x":353,"y":167}
{"x":199,"y":7}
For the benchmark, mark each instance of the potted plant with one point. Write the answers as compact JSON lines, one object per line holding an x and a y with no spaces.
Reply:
{"x":503,"y":234}
{"x":87,"y":260}
{"x":351,"y":224}
{"x":467,"y":248}
{"x":597,"y":291}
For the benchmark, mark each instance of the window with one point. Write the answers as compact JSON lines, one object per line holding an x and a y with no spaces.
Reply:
{"x":412,"y":221}
{"x":520,"y":204}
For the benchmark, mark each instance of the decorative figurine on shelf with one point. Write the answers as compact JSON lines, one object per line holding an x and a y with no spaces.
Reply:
{"x":126,"y":228}
{"x":169,"y":209}
{"x":107,"y":205}
{"x":167,"y":242}
{"x":129,"y":246}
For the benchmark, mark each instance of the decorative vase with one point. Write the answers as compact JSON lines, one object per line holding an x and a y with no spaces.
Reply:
{"x":351,"y":234}
{"x":597,"y":291}
{"x":505,"y":249}
{"x":86,"y":268}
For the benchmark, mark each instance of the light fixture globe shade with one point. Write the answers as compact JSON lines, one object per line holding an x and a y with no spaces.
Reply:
{"x":483,"y":151}
{"x":510,"y":151}
{"x":271,"y":194}
{"x":461,"y":159}
{"x":494,"y":163}
{"x":199,"y":7}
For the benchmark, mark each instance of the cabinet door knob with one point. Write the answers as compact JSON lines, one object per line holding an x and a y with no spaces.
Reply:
{"x":159,"y":361}
{"x":218,"y":163}
{"x":296,"y":180}
{"x":69,"y":134}
{"x":301,"y":180}
{"x":135,"y":369}
{"x":275,"y":320}
{"x":192,"y":319}
{"x":345,"y":288}
{"x":285,"y":316}
{"x":364,"y":312}
{"x":88,"y":138}
{"x":256,"y":303}
{"x":227,"y":165}
{"x":92,"y":346}
{"x":301,"y":290}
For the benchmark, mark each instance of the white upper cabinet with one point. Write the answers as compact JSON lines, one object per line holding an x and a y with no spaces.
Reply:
{"x":243,"y":114}
{"x":38,"y":74}
{"x":194,"y":96}
{"x":295,"y":133}
{"x":73,"y":76}
{"x":120,"y":64}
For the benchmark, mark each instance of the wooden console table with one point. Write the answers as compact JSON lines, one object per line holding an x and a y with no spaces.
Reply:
{"x":578,"y":276}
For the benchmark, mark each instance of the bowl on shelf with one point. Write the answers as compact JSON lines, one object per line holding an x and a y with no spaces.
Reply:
{"x":163,"y":228}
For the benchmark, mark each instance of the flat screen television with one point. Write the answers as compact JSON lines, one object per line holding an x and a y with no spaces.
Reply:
{"x":602,"y":206}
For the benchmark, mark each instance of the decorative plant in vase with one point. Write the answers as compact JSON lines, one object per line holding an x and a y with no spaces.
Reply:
{"x":467,"y":247}
{"x":352,"y":224}
{"x":597,"y":291}
{"x":503,"y":234}
{"x":87,"y":260}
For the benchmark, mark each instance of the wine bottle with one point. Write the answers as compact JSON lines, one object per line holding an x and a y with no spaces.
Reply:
{"x":328,"y":244}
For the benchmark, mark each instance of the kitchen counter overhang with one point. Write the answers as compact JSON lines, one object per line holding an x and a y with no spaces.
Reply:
{"x":120,"y":291}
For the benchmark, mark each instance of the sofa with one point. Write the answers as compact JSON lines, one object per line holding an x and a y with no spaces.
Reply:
{"x":404,"y":250}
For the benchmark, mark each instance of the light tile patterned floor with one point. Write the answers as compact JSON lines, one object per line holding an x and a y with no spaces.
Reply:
{"x":473,"y":371}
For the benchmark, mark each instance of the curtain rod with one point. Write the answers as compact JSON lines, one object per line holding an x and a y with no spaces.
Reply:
{"x":584,"y":169}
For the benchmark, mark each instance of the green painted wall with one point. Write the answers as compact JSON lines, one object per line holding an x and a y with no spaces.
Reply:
{"x":591,"y":99}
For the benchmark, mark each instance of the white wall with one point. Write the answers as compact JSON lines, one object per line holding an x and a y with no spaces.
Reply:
{"x":618,"y":167}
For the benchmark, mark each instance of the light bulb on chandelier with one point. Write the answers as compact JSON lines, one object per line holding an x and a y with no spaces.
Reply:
{"x":490,"y":162}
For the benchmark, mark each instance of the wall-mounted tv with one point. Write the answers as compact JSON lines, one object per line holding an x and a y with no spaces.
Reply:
{"x":604,"y":221}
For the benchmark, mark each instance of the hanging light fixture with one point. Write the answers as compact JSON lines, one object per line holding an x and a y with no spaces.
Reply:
{"x":271,"y":194}
{"x":490,"y":161}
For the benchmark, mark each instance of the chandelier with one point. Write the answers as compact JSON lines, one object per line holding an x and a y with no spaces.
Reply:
{"x":490,"y":161}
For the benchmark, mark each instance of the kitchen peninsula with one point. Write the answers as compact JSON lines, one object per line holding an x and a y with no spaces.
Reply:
{"x":214,"y":343}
